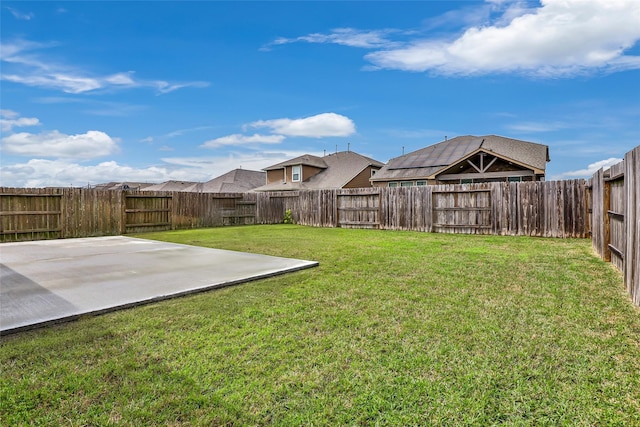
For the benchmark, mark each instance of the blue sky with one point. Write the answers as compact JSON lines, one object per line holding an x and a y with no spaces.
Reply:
{"x":94,"y":92}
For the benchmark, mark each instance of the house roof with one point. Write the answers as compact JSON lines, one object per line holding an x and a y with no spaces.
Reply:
{"x":235,"y":181}
{"x":305,"y":160}
{"x":428,"y":161}
{"x":170,"y":186}
{"x":340,"y":168}
{"x":127,"y":185}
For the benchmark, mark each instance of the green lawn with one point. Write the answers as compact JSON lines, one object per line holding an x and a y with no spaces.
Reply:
{"x":393,"y":328}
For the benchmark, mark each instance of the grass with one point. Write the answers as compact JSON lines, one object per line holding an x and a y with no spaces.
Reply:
{"x":393,"y":328}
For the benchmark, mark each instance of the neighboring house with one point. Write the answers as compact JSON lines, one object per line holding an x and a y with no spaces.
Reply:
{"x":344,"y":169}
{"x":122,"y":186}
{"x":467,"y":159}
{"x":170,"y":186}
{"x":236,"y":181}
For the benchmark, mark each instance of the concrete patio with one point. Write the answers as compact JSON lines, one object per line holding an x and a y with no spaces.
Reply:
{"x":50,"y":281}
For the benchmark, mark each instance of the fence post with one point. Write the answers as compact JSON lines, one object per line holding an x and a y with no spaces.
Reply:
{"x":336,"y":210}
{"x":606,"y":220}
{"x":63,"y":218}
{"x":589,"y":209}
{"x":123,"y":211}
{"x":632,"y":224}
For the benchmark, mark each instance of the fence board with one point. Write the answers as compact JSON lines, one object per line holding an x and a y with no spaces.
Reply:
{"x":632,"y":224}
{"x":597,"y":214}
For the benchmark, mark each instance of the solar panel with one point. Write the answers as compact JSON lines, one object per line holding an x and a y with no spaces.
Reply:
{"x":441,"y":154}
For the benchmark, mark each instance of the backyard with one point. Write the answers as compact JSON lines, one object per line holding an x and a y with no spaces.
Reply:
{"x":393,"y":328}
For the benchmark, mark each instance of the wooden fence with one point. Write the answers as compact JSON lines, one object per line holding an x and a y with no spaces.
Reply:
{"x":35,"y":213}
{"x":607,"y":207}
{"x":615,"y":218}
{"x":545,"y":209}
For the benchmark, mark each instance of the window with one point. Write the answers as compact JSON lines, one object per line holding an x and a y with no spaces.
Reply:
{"x":406,"y":184}
{"x":421,"y":183}
{"x":393,"y":184}
{"x":466,"y":181}
{"x":296,"y":173}
{"x":514,"y":179}
{"x":373,"y":172}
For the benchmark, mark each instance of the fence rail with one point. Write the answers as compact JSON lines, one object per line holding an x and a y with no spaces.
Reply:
{"x":615,"y":218}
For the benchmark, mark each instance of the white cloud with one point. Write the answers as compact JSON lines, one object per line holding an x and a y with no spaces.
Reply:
{"x":65,"y":173}
{"x":25,"y":64}
{"x":217,"y":165}
{"x":562,"y":37}
{"x":94,"y":106}
{"x":165,"y":87}
{"x":509,"y":10}
{"x":53,"y":173}
{"x":9,"y":114}
{"x":10,"y":119}
{"x":65,"y":82}
{"x":346,"y":37}
{"x":59,"y":100}
{"x":124,"y":79}
{"x":88,"y":145}
{"x":589,"y":170}
{"x":472,"y":14}
{"x":181,"y":132}
{"x":19,"y":15}
{"x":538,"y":126}
{"x":238,"y":139}
{"x":318,"y":126}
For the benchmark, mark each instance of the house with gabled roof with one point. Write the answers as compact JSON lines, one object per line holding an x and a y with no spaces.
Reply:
{"x":119,"y":186}
{"x":343,"y":169}
{"x":235,"y":181}
{"x":171,"y":185}
{"x":467,"y":159}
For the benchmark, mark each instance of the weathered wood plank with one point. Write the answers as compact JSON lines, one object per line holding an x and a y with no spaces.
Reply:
{"x":631,"y":269}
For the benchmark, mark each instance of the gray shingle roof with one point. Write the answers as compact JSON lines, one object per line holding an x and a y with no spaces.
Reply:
{"x":529,"y":153}
{"x":305,"y":159}
{"x":170,"y":186}
{"x":429,"y":160}
{"x":126,"y":185}
{"x":235,"y":181}
{"x":340,"y":169}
